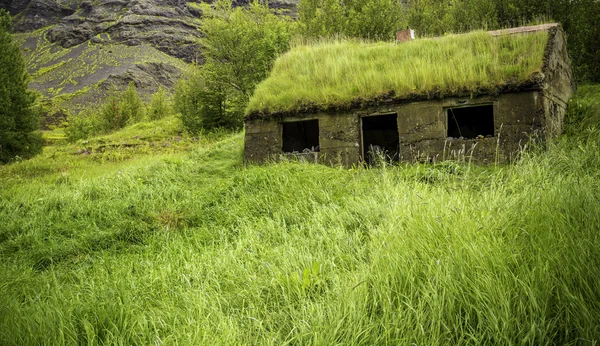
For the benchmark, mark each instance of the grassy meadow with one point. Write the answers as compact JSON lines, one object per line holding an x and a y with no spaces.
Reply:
{"x":333,"y":74}
{"x":147,"y":236}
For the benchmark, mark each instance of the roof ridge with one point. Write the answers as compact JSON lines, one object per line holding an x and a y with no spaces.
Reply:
{"x":524,"y":29}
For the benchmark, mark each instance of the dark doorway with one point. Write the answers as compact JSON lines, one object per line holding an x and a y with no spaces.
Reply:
{"x":299,"y":136}
{"x":471,"y":122}
{"x":380,"y":138}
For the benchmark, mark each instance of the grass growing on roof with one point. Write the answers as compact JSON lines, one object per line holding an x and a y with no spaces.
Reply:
{"x":337,"y":74}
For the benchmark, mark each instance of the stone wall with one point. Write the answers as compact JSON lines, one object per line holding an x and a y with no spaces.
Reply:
{"x":559,"y":84}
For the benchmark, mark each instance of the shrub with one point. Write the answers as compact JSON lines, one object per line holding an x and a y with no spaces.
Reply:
{"x":110,"y":114}
{"x":239,"y":47}
{"x":19,"y":121}
{"x":130,"y":106}
{"x":118,"y":111}
{"x":83,"y":125}
{"x":160,"y":105}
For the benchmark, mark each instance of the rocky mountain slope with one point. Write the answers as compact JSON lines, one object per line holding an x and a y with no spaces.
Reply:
{"x":77,"y":49}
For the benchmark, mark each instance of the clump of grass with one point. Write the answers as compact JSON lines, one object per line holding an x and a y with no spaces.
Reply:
{"x":339,"y":73}
{"x":193,"y":249}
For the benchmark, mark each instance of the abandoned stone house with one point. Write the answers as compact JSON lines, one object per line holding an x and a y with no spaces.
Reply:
{"x":484,"y":124}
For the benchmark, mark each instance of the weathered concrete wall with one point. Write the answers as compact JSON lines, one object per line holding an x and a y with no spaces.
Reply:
{"x":263,"y":141}
{"x":339,"y":139}
{"x":422,"y":128}
{"x":559,"y":84}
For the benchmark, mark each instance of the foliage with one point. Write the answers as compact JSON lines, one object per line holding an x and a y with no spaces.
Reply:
{"x":193,"y":249}
{"x":340,"y":73}
{"x":121,"y":109}
{"x":117,"y":111}
{"x":238,"y":47}
{"x":379,"y":19}
{"x":82,"y":125}
{"x":130,"y":106}
{"x":160,"y":105}
{"x":202,"y":107}
{"x":583,"y":118}
{"x":19,"y":121}
{"x":579,"y":19}
{"x":371,"y":19}
{"x":110,"y":113}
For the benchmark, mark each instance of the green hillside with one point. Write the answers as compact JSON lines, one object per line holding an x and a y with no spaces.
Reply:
{"x":78,"y":76}
{"x":340,"y":73}
{"x":148,"y":236}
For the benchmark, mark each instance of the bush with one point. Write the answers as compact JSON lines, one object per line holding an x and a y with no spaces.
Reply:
{"x":130,"y":106}
{"x":160,"y":105}
{"x":239,"y":47}
{"x":118,"y":111}
{"x":205,"y":106}
{"x":110,"y":114}
{"x":83,"y":125}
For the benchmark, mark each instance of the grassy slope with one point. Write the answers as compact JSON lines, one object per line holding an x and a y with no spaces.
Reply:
{"x":337,"y":74}
{"x":188,"y":247}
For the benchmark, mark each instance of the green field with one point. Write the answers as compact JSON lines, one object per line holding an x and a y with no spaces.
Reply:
{"x":150,"y":237}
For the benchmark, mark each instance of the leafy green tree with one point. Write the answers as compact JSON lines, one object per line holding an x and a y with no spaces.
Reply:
{"x":321,"y":18}
{"x":19,"y":122}
{"x":110,"y":114}
{"x":201,"y":106}
{"x":160,"y":105}
{"x":467,"y":15}
{"x":83,"y":125}
{"x":121,"y":109}
{"x":118,"y":110}
{"x":371,"y":19}
{"x":131,"y":106}
{"x":430,"y":17}
{"x":375,"y":19}
{"x":579,"y":18}
{"x":239,"y":47}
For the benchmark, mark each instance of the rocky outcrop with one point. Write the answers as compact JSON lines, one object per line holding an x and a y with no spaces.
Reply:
{"x":171,"y":26}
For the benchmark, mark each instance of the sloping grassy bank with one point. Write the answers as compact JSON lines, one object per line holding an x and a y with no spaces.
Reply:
{"x":195,"y":249}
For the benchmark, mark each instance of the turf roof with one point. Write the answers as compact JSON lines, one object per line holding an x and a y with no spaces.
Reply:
{"x":344,"y":74}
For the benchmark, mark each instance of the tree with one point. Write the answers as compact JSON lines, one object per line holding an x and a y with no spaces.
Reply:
{"x":239,"y":48}
{"x":370,"y":19}
{"x":19,"y":122}
{"x":131,"y":106}
{"x":200,"y":106}
{"x":160,"y":105}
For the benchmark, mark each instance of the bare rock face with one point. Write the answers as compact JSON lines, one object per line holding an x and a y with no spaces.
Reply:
{"x":171,"y":26}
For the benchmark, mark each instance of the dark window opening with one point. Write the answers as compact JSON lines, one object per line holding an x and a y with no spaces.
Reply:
{"x":380,"y":138}
{"x":301,"y":136}
{"x":471,"y":122}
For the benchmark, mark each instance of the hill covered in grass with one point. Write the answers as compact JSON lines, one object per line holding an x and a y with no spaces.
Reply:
{"x":341,"y":73}
{"x":147,"y":236}
{"x":80,"y":76}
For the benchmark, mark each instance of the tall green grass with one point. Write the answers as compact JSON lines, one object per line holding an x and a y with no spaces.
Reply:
{"x":193,"y":248}
{"x":339,"y":73}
